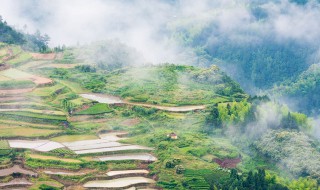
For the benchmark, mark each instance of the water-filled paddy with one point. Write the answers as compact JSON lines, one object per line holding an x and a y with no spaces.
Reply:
{"x":123,"y":172}
{"x":118,"y":183}
{"x":136,"y":156}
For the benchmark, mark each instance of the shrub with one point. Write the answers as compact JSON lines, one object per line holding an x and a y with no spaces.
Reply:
{"x":48,"y":187}
{"x":180,"y":169}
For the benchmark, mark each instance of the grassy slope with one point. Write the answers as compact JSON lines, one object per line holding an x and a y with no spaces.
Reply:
{"x":166,"y":85}
{"x":171,"y":85}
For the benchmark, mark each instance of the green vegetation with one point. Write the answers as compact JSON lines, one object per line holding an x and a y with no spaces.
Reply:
{"x":95,"y":109}
{"x":9,"y":35}
{"x":20,"y":59}
{"x":33,"y":42}
{"x":16,"y":84}
{"x":16,"y":131}
{"x":4,"y":144}
{"x":173,"y":85}
{"x":236,"y":142}
{"x":302,"y":89}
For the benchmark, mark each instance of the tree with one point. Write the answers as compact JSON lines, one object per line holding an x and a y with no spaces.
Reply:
{"x":289,"y":122}
{"x":213,"y":119}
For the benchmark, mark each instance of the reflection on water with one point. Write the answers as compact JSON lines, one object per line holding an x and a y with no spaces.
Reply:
{"x":118,"y":183}
{"x":107,"y":99}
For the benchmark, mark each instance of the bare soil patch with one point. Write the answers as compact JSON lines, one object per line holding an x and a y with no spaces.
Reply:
{"x":228,"y":163}
{"x":40,"y":80}
{"x":46,"y":56}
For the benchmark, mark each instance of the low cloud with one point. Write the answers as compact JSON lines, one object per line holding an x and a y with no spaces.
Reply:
{"x":147,"y":25}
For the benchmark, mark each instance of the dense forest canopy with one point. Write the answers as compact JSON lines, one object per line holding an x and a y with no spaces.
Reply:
{"x":261,"y":45}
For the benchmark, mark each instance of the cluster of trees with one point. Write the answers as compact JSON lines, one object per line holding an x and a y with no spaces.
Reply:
{"x":86,"y":68}
{"x":289,"y":122}
{"x":303,"y":90}
{"x":32,"y":42}
{"x":264,"y":64}
{"x":214,"y":76}
{"x":242,"y":113}
{"x":225,"y":114}
{"x":9,"y":35}
{"x":253,"y":181}
{"x":94,"y":82}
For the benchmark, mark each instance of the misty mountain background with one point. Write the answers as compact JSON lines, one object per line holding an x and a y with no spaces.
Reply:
{"x":269,"y":47}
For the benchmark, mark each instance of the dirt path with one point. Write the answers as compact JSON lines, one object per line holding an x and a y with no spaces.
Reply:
{"x":109,"y":99}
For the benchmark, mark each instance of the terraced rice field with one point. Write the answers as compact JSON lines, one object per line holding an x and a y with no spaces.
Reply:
{"x":20,"y":75}
{"x":16,"y":169}
{"x":39,"y":145}
{"x":67,"y":173}
{"x":27,"y":124}
{"x":112,"y":136}
{"x":15,"y":91}
{"x":16,"y":182}
{"x":101,"y":145}
{"x":118,"y":183}
{"x":50,"y":112}
{"x":10,"y":131}
{"x":37,"y":114}
{"x":56,"y":65}
{"x":15,"y":74}
{"x":47,"y":91}
{"x":135,"y":156}
{"x":95,"y":146}
{"x":72,"y":138}
{"x":12,"y":98}
{"x":126,"y":172}
{"x":102,"y":98}
{"x":113,"y":149}
{"x":44,"y":157}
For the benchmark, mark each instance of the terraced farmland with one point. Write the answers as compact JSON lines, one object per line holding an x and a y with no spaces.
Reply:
{"x":53,"y":123}
{"x":119,"y":183}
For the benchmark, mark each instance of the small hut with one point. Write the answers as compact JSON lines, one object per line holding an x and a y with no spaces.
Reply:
{"x":172,"y":136}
